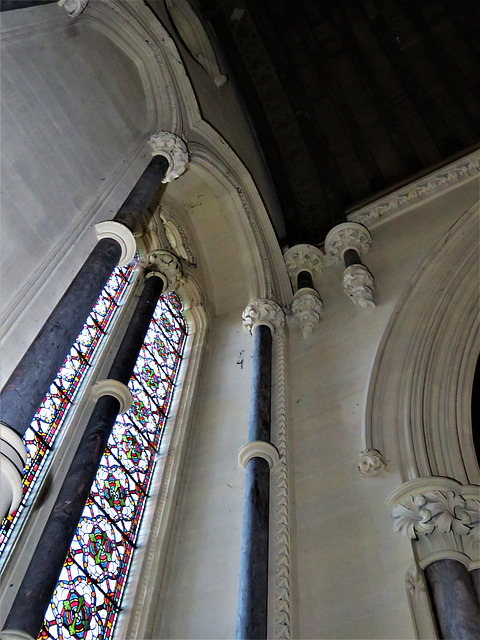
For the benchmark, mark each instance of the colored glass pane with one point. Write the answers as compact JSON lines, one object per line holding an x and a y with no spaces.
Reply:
{"x":40,"y":435}
{"x":88,"y":595}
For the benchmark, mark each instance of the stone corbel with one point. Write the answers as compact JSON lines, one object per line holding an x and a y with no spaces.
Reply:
{"x":371,"y":463}
{"x":306,"y":307}
{"x":73,"y":7}
{"x":263,"y":311}
{"x":168,"y":266}
{"x":348,"y":241}
{"x":174,"y":149}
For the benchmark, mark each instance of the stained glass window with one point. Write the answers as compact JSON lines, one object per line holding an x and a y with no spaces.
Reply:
{"x":87,"y":598}
{"x":47,"y":422}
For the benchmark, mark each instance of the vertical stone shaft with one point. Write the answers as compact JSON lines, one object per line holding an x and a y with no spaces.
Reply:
{"x":304,"y":280}
{"x":29,"y":382}
{"x":253,"y":590}
{"x":454,"y":600}
{"x":36,"y":590}
{"x":351,"y":256}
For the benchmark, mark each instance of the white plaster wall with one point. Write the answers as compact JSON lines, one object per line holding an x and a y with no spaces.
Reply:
{"x":351,"y":564}
{"x":199,"y":595}
{"x":74,"y":122}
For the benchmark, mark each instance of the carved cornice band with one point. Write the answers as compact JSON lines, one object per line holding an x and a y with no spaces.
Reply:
{"x":115,"y":388}
{"x":263,"y":311}
{"x":174,"y":149}
{"x":258,"y":449}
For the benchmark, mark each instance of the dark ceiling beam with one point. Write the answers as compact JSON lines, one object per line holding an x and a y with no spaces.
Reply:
{"x":10,"y":5}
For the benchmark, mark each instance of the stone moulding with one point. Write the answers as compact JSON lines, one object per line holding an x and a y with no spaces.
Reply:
{"x":422,"y":190}
{"x":282,"y":557}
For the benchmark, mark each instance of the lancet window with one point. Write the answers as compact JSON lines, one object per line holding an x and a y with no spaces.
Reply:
{"x":47,"y":423}
{"x":87,"y":598}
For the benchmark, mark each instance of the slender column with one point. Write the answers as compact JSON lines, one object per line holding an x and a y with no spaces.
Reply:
{"x":475,"y":576}
{"x":28,"y":609}
{"x":27,"y":385}
{"x":303,"y":261}
{"x":257,"y":456}
{"x":455,"y":603}
{"x":348,"y":240}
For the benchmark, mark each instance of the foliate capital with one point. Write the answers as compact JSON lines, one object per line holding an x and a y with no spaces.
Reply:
{"x":303,"y":257}
{"x":263,"y":311}
{"x":73,"y":7}
{"x":174,"y":149}
{"x":359,"y":285}
{"x":347,"y":235}
{"x":169,"y":266}
{"x":371,"y":463}
{"x":306,"y":309}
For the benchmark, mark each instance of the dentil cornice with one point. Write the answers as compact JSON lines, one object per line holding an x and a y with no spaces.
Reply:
{"x":169,"y":266}
{"x":174,"y":149}
{"x":73,"y":7}
{"x":303,"y":257}
{"x":263,"y":311}
{"x":306,"y":307}
{"x":347,"y":235}
{"x":359,"y":285}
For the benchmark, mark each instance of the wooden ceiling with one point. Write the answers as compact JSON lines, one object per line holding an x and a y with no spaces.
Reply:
{"x":351,"y":98}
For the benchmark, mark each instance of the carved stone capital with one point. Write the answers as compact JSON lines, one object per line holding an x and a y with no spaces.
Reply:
{"x":258,"y":449}
{"x":359,"y":285}
{"x":174,"y":149}
{"x":73,"y":7}
{"x":115,"y":388}
{"x":347,"y":235}
{"x":169,"y":266}
{"x":303,"y":257}
{"x":371,"y":463}
{"x":263,"y":311}
{"x":421,"y":510}
{"x":120,"y":233}
{"x":12,"y":461}
{"x":306,"y":307}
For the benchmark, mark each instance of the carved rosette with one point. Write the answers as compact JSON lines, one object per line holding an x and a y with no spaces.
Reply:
{"x":73,"y":7}
{"x":263,"y":311}
{"x":348,"y":235}
{"x":303,"y":257}
{"x":167,"y":264}
{"x":371,"y":463}
{"x":442,"y":511}
{"x":306,"y":307}
{"x":174,"y":149}
{"x":359,"y":285}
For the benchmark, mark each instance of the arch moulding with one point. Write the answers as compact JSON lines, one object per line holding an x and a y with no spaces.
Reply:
{"x":419,"y":397}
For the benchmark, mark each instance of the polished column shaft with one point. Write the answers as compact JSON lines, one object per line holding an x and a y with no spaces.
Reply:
{"x":304,"y":280}
{"x":36,"y":590}
{"x":253,"y":590}
{"x":351,"y":256}
{"x":29,"y":382}
{"x":455,"y":603}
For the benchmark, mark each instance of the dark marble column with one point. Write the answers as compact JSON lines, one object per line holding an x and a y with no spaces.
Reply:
{"x":351,"y":256}
{"x":33,"y":597}
{"x":304,"y":280}
{"x":475,"y":575}
{"x":455,"y":603}
{"x":253,"y":589}
{"x":27,"y":385}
